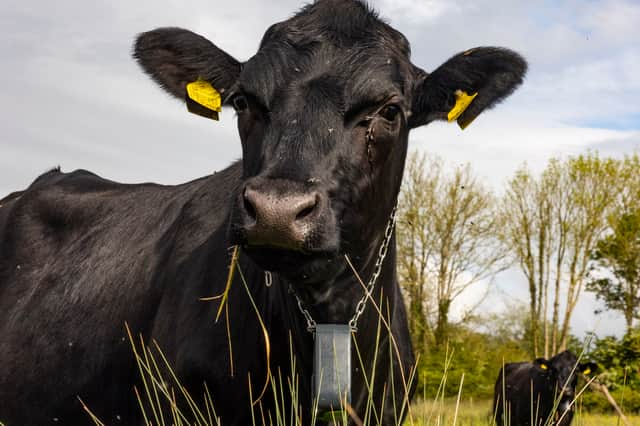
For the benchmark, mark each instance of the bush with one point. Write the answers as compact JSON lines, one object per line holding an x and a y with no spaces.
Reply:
{"x":627,"y":399}
{"x":619,"y":360}
{"x":478,"y":356}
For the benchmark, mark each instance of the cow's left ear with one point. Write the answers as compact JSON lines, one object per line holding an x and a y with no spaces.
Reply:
{"x":542,"y":364}
{"x":587,"y":368}
{"x":465,"y":85}
{"x":188,"y":66}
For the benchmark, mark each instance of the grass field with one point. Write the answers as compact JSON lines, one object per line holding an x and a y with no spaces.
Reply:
{"x":477,"y":413}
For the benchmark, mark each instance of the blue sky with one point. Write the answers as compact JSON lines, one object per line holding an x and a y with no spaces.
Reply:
{"x":73,"y":97}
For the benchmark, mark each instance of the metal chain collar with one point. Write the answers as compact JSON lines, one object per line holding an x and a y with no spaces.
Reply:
{"x":382,"y":253}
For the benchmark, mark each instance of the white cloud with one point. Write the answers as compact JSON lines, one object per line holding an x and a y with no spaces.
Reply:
{"x":497,"y":144}
{"x":416,"y":11}
{"x":613,"y":21}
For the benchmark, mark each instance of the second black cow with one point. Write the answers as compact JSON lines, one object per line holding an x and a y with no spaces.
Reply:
{"x":538,"y":393}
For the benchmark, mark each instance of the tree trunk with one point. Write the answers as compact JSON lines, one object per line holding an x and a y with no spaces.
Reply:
{"x":441,"y":331}
{"x":417,"y":323}
{"x":554,"y":319}
{"x":628,"y":311}
{"x":565,"y":332}
{"x":572,"y":299}
{"x":546,"y":321}
{"x":542,"y":313}
{"x":534,"y":318}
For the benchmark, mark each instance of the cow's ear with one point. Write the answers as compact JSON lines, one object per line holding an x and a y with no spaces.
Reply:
{"x":175,"y":57}
{"x":542,"y":364}
{"x":465,"y":85}
{"x":588,"y":368}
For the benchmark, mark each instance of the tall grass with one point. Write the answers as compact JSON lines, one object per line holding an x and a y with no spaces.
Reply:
{"x":163,"y":400}
{"x":473,"y":412}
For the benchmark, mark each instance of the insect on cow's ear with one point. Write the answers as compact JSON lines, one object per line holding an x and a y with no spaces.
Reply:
{"x":465,"y":85}
{"x":188,"y":66}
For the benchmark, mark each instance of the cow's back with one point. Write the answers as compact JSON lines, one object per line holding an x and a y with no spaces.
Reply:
{"x":79,"y":256}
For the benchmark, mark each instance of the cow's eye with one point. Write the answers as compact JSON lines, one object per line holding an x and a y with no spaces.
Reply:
{"x":240,"y":103}
{"x":390,"y":112}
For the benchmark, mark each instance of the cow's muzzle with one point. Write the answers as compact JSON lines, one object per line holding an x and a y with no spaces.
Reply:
{"x":271,"y":216}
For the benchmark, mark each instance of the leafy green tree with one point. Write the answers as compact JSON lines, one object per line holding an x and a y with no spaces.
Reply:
{"x":617,"y":263}
{"x":447,"y":242}
{"x":552,"y":224}
{"x":619,"y":360}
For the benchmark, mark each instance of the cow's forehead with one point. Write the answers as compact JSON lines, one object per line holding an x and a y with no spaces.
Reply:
{"x":339,"y":22}
{"x":565,"y":361}
{"x":354,"y":52}
{"x":355,"y":76}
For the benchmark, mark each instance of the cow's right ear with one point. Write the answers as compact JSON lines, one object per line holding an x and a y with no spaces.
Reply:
{"x":174,"y":57}
{"x":466,"y":85}
{"x":588,"y":368}
{"x":542,"y":364}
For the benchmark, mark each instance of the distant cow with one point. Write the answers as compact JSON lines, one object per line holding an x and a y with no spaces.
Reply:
{"x":324,"y":110}
{"x":553,"y":383}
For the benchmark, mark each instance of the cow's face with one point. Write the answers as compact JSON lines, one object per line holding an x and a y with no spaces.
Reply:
{"x":324,"y":109}
{"x":562,"y":371}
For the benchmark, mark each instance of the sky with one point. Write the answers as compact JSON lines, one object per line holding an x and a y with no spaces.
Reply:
{"x":73,"y":97}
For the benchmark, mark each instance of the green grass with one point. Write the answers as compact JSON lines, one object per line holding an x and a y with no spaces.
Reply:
{"x":476,"y":413}
{"x":164,"y":401}
{"x":161,"y":392}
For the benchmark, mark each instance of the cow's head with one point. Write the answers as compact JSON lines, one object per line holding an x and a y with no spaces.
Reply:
{"x":562,"y":371}
{"x":324,"y":110}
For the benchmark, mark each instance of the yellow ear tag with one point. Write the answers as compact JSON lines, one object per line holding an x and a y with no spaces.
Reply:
{"x":462,"y":102}
{"x":544,"y":366}
{"x":586,"y":371}
{"x":203,"y":99}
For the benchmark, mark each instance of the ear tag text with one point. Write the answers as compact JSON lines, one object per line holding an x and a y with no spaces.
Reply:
{"x":586,"y":371}
{"x":202,"y":99}
{"x":463,"y":100}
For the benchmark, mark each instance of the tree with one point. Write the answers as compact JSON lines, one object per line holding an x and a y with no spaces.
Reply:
{"x":447,"y":242}
{"x":527,"y":236}
{"x":619,"y":255}
{"x":619,"y":359}
{"x":552,"y":224}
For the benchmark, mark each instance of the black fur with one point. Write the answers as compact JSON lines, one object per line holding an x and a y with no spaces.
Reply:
{"x":554,"y":390}
{"x":325,"y":107}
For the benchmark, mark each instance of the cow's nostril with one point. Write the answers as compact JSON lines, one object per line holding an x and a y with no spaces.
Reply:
{"x":307,"y":210}
{"x":249,"y":208}
{"x":304,"y":213}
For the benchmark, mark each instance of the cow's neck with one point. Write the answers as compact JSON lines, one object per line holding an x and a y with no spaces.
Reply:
{"x":335,"y":301}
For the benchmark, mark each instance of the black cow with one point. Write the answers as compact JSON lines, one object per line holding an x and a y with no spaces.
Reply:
{"x":324,"y":110}
{"x":553,"y":383}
